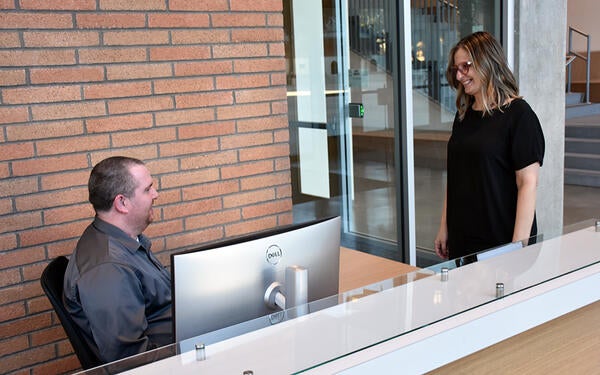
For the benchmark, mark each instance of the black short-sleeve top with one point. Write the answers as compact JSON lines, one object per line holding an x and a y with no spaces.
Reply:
{"x":484,"y":152}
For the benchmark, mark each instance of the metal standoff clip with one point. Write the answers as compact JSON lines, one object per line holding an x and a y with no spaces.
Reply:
{"x":597,"y":225}
{"x":200,"y":352}
{"x":444,"y":274}
{"x":248,"y":372}
{"x":499,"y":290}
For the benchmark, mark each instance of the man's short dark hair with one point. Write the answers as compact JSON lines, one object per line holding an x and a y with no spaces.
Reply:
{"x":109,"y":178}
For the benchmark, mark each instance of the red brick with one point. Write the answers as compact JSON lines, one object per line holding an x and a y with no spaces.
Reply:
{"x":16,"y":293}
{"x":70,"y":213}
{"x":15,"y":222}
{"x":190,"y":208}
{"x":278,"y":79}
{"x":248,"y":198}
{"x":12,"y":77}
{"x":116,"y":123}
{"x":42,"y":130}
{"x":189,"y":178}
{"x":177,"y":20}
{"x":239,"y":50}
{"x":282,"y":164}
{"x":51,"y":199}
{"x":202,"y":68}
{"x":5,"y":206}
{"x":33,"y":20}
{"x":179,"y":85}
{"x":260,"y":95}
{"x":64,"y":180}
{"x":164,"y":228}
{"x":211,"y":189}
{"x":212,"y":219}
{"x":284,"y":191}
{"x":9,"y":39}
{"x":206,"y":129}
{"x":21,"y":58}
{"x":199,"y":5}
{"x":209,"y":159}
{"x":18,"y":186}
{"x":259,"y":65}
{"x":58,"y":366}
{"x":242,"y":81}
{"x":163,"y":165}
{"x":211,"y":36}
{"x":8,"y":242}
{"x":189,"y":147}
{"x":21,"y":257}
{"x":68,"y":111}
{"x":256,"y":35}
{"x":238,"y":19}
{"x":137,"y":71}
{"x":112,"y":55}
{"x":4,"y":171}
{"x":195,"y":238}
{"x":243,"y":111}
{"x":14,"y":151}
{"x":108,"y":20}
{"x":12,"y":311}
{"x":276,"y":49}
{"x":41,"y":94}
{"x":133,"y":5}
{"x":279,"y":108}
{"x":28,"y":358}
{"x":187,"y":116}
{"x":280,"y":136}
{"x":7,"y":4}
{"x":262,"y":124}
{"x":250,"y":226}
{"x":34,"y":167}
{"x":47,"y":336}
{"x":210,"y":99}
{"x":275,"y":19}
{"x":144,"y":152}
{"x":32,"y":272}
{"x":179,"y":53}
{"x":135,"y":37}
{"x":265,"y":152}
{"x":246,"y":169}
{"x":72,"y":144}
{"x":147,"y":104}
{"x":58,"y":5}
{"x":267,"y":209}
{"x":52,"y":233}
{"x":239,"y":141}
{"x":38,"y":304}
{"x":117,"y":90}
{"x":13,"y":345}
{"x":64,"y":75}
{"x":9,"y":277}
{"x":256,"y":5}
{"x":61,"y":38}
{"x":64,"y":247}
{"x":13,"y":114}
{"x":152,"y":136}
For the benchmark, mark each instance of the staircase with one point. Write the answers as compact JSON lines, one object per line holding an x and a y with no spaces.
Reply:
{"x":582,"y":144}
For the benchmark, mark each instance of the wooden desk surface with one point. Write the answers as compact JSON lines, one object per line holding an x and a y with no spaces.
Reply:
{"x":358,"y":269}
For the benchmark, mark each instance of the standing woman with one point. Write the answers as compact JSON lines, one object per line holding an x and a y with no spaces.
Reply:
{"x":494,"y":154}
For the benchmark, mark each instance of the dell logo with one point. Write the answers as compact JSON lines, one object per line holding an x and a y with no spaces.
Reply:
{"x":274,"y":254}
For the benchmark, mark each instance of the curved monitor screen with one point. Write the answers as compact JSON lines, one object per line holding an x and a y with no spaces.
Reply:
{"x":224,"y":284}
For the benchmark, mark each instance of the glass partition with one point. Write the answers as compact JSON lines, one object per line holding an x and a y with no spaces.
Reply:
{"x":307,"y":337}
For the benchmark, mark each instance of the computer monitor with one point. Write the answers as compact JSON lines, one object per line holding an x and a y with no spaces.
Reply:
{"x":219,"y":287}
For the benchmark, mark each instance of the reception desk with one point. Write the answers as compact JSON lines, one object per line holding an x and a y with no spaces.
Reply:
{"x":419,"y":321}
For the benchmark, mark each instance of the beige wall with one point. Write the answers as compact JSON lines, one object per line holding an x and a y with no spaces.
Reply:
{"x":583,"y":15}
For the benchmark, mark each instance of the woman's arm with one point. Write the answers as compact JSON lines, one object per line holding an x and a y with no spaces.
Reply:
{"x":441,"y":240}
{"x":527,"y":179}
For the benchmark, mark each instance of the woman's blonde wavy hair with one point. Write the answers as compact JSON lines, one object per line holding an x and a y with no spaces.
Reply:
{"x":498,"y":84}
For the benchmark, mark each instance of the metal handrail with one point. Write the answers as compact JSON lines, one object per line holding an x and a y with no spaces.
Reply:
{"x":571,"y":55}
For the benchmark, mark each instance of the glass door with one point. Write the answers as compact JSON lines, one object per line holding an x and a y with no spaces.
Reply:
{"x":343,"y":114}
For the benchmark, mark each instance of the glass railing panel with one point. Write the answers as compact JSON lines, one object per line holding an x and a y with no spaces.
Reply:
{"x":308,"y":336}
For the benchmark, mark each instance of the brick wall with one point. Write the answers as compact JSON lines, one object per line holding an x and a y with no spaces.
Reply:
{"x":194,"y":88}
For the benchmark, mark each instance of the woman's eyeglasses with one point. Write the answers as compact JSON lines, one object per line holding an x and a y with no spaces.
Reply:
{"x":462,"y":68}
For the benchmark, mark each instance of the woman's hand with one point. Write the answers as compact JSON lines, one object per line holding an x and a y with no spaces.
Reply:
{"x":441,"y":242}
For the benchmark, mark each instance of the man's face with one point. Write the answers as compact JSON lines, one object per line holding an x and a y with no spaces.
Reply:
{"x":140,"y":213}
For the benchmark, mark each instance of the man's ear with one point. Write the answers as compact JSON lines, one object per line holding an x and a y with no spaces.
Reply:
{"x":121,"y":204}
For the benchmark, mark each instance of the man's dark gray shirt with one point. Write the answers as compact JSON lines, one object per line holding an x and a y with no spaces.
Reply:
{"x":118,"y":292}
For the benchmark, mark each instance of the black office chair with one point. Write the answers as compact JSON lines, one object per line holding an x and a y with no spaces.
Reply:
{"x":52,"y":283}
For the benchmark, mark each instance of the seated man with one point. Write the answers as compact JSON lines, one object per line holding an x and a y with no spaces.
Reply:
{"x":116,"y":290}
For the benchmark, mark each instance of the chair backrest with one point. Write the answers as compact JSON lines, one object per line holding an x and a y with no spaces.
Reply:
{"x":52,"y":280}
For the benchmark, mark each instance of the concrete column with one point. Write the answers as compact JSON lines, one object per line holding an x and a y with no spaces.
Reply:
{"x":540,"y":49}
